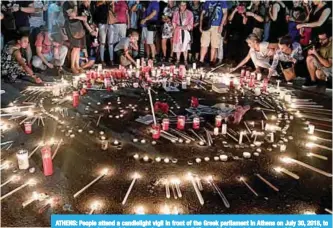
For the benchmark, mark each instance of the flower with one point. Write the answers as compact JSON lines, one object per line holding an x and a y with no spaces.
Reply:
{"x":194,"y":102}
{"x":161,"y":107}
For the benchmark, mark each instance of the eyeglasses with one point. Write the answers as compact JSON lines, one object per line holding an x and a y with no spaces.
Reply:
{"x":322,"y":39}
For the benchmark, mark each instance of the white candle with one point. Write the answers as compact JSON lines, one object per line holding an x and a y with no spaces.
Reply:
{"x":11,"y":179}
{"x":267,"y":182}
{"x":216,"y":130}
{"x":104,"y":172}
{"x":248,"y":186}
{"x":29,"y":182}
{"x":219,"y":191}
{"x":224,"y":129}
{"x":240,"y":141}
{"x":316,"y":156}
{"x":197,"y":179}
{"x":291,"y":160}
{"x":135,"y":177}
{"x":283,"y":147}
{"x":167,"y":189}
{"x":32,"y":199}
{"x":287,"y":172}
{"x":311,"y":129}
{"x":311,"y":145}
{"x":287,"y":98}
{"x":201,"y":200}
{"x":257,"y":91}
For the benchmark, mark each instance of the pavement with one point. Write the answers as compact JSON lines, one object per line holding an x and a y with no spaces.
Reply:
{"x":80,"y":159}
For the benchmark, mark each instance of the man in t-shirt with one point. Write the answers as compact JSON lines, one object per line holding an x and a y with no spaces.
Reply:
{"x":260,"y":53}
{"x":148,"y":24}
{"x":127,"y":48}
{"x":217,"y":11}
{"x":50,"y":51}
{"x":319,"y":61}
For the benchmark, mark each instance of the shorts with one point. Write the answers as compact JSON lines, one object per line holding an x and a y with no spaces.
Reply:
{"x":167,"y":31}
{"x":326,"y":71}
{"x":147,"y":37}
{"x":212,"y":37}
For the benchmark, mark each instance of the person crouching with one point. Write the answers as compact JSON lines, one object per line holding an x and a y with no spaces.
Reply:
{"x":127,"y":49}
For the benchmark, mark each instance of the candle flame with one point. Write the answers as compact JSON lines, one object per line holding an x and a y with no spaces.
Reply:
{"x":32,"y":182}
{"x":209,"y":178}
{"x":136,"y":176}
{"x":312,"y":137}
{"x":286,"y":160}
{"x":105,"y":171}
{"x":278,"y":169}
{"x":309,"y":154}
{"x":309,"y":144}
{"x":95,"y":205}
{"x":139,"y":210}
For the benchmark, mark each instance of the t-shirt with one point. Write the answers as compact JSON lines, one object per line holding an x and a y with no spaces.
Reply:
{"x":263,"y":51}
{"x":196,"y":12}
{"x":123,"y":44}
{"x":326,"y":51}
{"x":22,"y":18}
{"x":37,"y":19}
{"x":85,"y":11}
{"x":209,"y":6}
{"x":153,"y":5}
{"x":42,"y":40}
{"x":120,"y":9}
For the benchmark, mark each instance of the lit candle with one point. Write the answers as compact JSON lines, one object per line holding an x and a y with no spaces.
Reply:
{"x":176,"y":182}
{"x":94,"y":206}
{"x":36,"y":148}
{"x":104,"y":172}
{"x":291,"y":160}
{"x":210,"y":180}
{"x":201,"y":200}
{"x":197,"y":179}
{"x":311,"y":129}
{"x":248,"y":186}
{"x":287,"y":172}
{"x":139,"y":210}
{"x":167,"y":189}
{"x":316,"y":156}
{"x":30,"y":182}
{"x":32,"y":199}
{"x":135,"y":177}
{"x":311,"y":145}
{"x":13,"y":178}
{"x":57,"y":148}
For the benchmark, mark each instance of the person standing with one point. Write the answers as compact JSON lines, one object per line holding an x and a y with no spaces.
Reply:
{"x":278,"y":26}
{"x":149,"y":27}
{"x":318,"y":18}
{"x":135,"y":8}
{"x":75,"y":32}
{"x":182,"y":21}
{"x":212,"y":19}
{"x":101,"y":19}
{"x":196,"y":8}
{"x":122,"y":16}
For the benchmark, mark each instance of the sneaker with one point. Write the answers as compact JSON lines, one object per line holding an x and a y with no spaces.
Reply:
{"x":309,"y":84}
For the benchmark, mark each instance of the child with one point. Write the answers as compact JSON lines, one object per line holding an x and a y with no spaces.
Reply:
{"x":88,"y":61}
{"x":127,"y":48}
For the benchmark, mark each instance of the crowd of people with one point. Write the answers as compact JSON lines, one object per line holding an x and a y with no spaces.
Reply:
{"x":283,"y":38}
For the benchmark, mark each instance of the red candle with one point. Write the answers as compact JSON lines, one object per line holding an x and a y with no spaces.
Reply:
{"x":75,"y":99}
{"x":47,"y":160}
{"x":196,"y":123}
{"x":165,"y":124}
{"x":27,"y":127}
{"x":181,"y":122}
{"x":156,"y":130}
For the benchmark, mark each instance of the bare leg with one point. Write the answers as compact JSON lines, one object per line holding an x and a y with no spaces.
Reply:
{"x":212,"y":54}
{"x":203,"y":52}
{"x":178,"y":56}
{"x":73,"y":60}
{"x":164,"y":47}
{"x":311,"y":67}
{"x":88,"y":65}
{"x":320,"y":75}
{"x":153,"y":50}
{"x":185,"y":56}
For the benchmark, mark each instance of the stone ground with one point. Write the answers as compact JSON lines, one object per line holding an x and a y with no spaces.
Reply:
{"x":80,"y":159}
